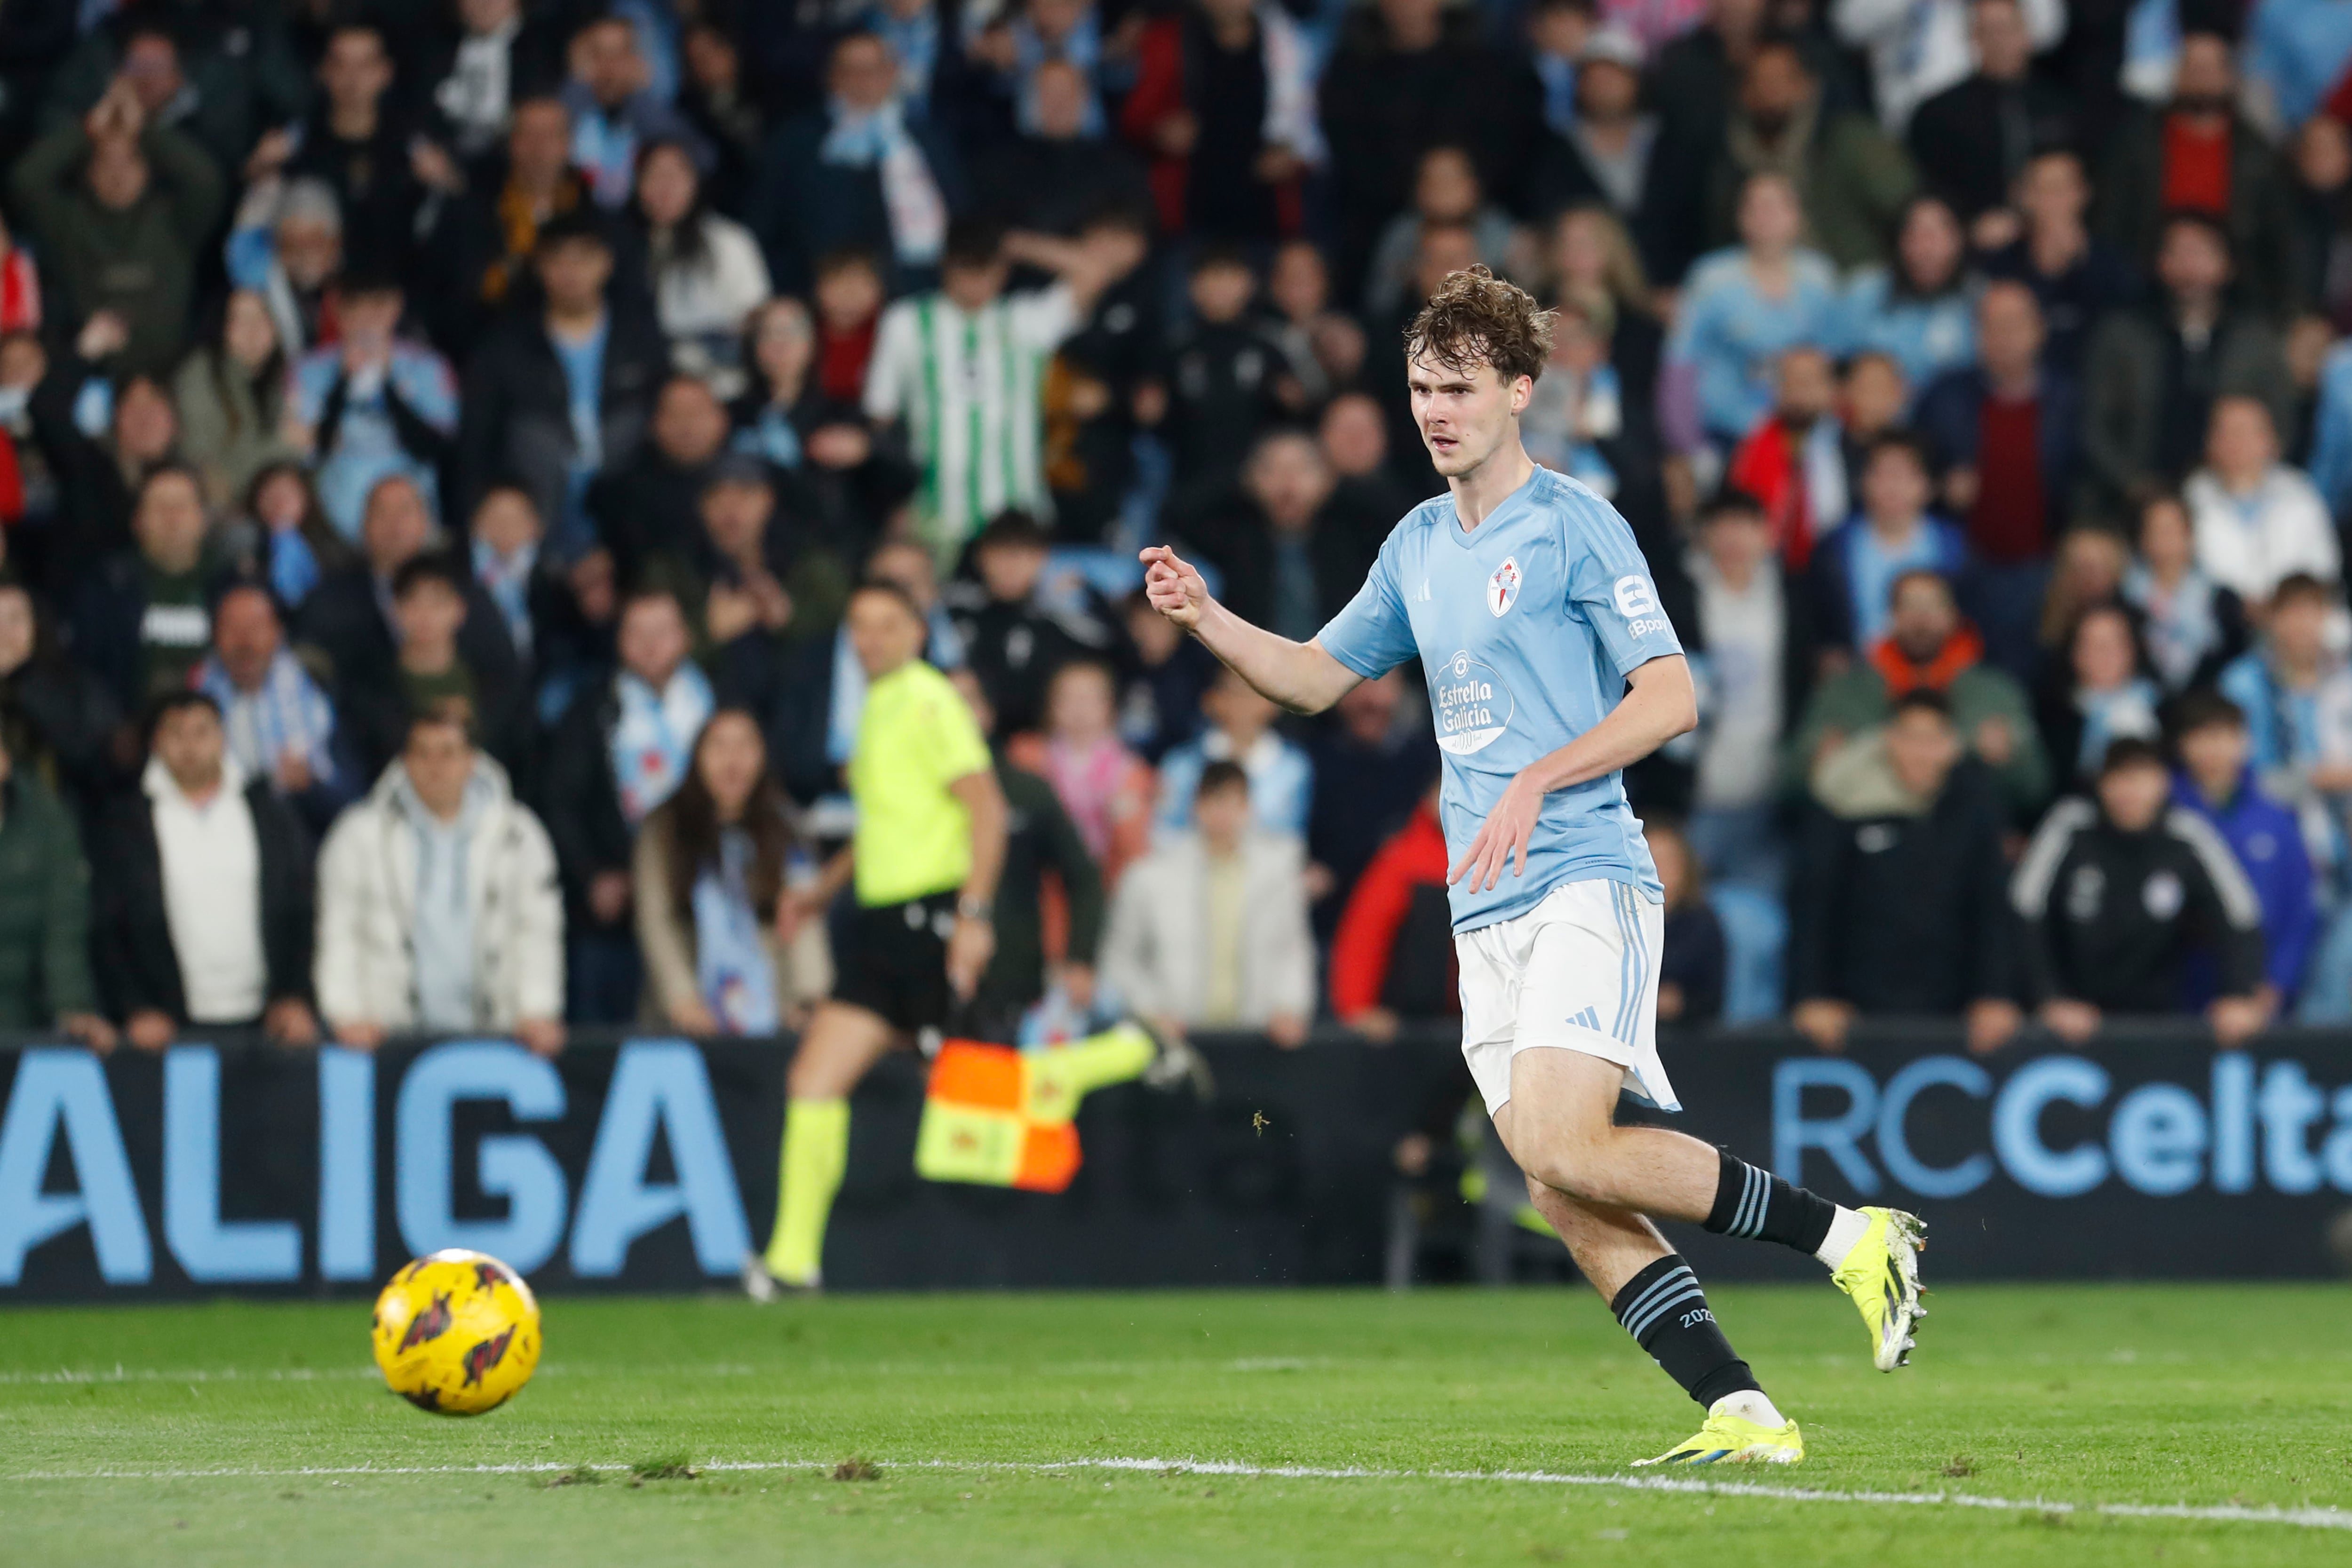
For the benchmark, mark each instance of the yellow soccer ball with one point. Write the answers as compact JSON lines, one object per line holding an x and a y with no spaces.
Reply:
{"x":456,"y":1333}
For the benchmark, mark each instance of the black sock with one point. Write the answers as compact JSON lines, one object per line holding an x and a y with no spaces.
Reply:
{"x":1665,"y":1311}
{"x":1754,"y":1203}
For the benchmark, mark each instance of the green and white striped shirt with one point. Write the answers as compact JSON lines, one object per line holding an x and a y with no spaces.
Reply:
{"x":971,"y":388}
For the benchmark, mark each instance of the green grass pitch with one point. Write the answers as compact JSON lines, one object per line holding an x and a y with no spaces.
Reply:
{"x":708,"y":1431}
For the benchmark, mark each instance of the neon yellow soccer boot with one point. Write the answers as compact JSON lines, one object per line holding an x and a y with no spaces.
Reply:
{"x":1730,"y":1438}
{"x":1881,"y":1272}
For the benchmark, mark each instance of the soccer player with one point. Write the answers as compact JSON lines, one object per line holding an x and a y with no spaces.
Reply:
{"x":1551,"y":668}
{"x":930,"y":845}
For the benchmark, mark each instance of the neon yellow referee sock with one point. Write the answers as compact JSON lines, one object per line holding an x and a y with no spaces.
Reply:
{"x":815,"y":1152}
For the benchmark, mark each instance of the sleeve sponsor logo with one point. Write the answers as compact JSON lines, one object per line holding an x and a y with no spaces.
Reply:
{"x":1638,"y":603}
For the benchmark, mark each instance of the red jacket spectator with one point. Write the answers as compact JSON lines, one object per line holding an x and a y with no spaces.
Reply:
{"x":12,"y":482}
{"x":1769,"y":465}
{"x":1250,"y":172}
{"x":20,"y":289}
{"x":1408,"y":871}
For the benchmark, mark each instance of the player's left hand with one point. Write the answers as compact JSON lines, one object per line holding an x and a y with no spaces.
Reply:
{"x":1503,"y":840}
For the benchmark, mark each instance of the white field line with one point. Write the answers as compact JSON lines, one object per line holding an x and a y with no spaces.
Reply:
{"x":2226,"y":1513}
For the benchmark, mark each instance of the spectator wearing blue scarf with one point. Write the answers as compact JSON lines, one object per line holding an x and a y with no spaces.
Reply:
{"x":620,"y":750}
{"x":725,"y":952}
{"x":617,"y":109}
{"x":862,"y":173}
{"x":2100,"y":695}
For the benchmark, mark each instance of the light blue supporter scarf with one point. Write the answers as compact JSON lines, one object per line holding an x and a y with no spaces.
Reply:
{"x":507,"y":580}
{"x":862,"y":141}
{"x":731,"y":961}
{"x":652,"y":739}
{"x":293,"y":567}
{"x":2127,"y":712}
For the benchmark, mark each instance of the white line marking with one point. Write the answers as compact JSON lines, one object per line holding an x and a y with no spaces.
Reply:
{"x":2227,"y":1513}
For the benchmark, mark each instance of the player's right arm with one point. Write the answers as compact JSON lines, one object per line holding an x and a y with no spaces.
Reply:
{"x":1300,"y":677}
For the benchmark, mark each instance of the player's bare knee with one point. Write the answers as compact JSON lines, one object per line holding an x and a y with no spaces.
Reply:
{"x":1565,"y":1163}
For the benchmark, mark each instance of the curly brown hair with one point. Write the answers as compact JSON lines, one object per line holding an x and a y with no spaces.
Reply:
{"x":1476,"y":318}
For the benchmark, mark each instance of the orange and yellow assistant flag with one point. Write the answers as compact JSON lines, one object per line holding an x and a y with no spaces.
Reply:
{"x":997,"y":1116}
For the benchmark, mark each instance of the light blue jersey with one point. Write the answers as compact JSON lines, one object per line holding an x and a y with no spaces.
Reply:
{"x":1526,"y":628}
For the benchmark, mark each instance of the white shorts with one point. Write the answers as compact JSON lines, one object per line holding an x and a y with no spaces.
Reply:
{"x":1580,"y":971}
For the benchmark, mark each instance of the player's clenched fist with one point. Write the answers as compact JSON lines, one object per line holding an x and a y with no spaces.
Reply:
{"x":1173,"y":587}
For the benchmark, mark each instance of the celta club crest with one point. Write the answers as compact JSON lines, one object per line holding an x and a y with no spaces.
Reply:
{"x":1503,"y":588}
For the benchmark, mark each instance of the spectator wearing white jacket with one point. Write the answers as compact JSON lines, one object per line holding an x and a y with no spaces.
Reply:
{"x":1919,"y":48}
{"x":2257,"y":520}
{"x":706,"y":271}
{"x":438,"y":903}
{"x":1209,"y":929}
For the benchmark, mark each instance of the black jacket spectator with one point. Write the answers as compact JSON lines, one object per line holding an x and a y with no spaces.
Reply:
{"x":1014,"y":638}
{"x":1693,"y":77}
{"x":652,"y":499}
{"x":1215,"y":186}
{"x":1244,"y":544}
{"x":582,"y":805}
{"x":479,"y":244}
{"x":762,"y":591}
{"x":1053,"y":184}
{"x":1897,"y":913}
{"x":2110,"y":915}
{"x":1039,"y":838}
{"x":376,"y":711}
{"x":371,"y":173}
{"x":1160,"y":690}
{"x":135,"y":654}
{"x":1696,"y":962}
{"x":138,"y":967}
{"x":347,"y":620}
{"x":1971,"y":139}
{"x":94,"y":485}
{"x":2149,"y":390}
{"x":56,"y":718}
{"x":2131,"y":207}
{"x":1371,"y":769}
{"x":1386,"y":100}
{"x":804,"y":205}
{"x":517,"y":418}
{"x":2098,"y":281}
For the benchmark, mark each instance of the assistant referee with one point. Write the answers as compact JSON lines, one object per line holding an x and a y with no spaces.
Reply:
{"x":928,"y":847}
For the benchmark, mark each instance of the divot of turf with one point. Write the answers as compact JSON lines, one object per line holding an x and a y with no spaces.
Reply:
{"x":857,"y":1469}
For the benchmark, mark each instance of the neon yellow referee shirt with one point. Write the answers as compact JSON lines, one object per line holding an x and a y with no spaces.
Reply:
{"x":915,"y":738}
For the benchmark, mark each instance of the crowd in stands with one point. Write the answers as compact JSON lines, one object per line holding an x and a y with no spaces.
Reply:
{"x":438,"y":441}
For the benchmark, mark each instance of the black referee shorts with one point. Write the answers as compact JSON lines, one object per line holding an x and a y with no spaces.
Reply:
{"x":895,"y":962}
